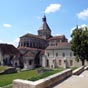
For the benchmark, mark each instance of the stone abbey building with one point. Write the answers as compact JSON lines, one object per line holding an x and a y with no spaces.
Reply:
{"x":43,"y":50}
{"x":33,"y":47}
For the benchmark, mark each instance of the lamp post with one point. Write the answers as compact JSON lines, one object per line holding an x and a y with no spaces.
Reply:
{"x":65,"y":62}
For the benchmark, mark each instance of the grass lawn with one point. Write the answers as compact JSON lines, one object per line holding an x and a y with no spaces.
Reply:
{"x":73,"y":68}
{"x":3,"y":68}
{"x":45,"y":74}
{"x":8,"y":78}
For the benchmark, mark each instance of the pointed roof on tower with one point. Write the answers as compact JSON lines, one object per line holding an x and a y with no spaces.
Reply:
{"x":44,"y":25}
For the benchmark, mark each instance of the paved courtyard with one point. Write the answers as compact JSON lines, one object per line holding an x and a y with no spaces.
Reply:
{"x":80,"y":81}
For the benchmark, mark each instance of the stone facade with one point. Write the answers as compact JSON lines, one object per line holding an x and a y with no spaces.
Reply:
{"x":32,"y":41}
{"x":35,"y":44}
{"x":9,"y":55}
{"x":49,"y":51}
{"x":58,"y":56}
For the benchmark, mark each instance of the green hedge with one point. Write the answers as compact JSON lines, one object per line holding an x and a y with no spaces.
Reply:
{"x":45,"y":74}
{"x":73,"y":68}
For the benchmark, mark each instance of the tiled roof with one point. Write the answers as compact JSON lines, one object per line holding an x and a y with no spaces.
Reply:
{"x":57,"y":37}
{"x":9,"y":49}
{"x":44,"y":25}
{"x":31,"y":51}
{"x":28,"y":35}
{"x":31,"y":35}
{"x":42,"y":52}
{"x":60,"y":46}
{"x":28,"y":48}
{"x":29,"y":54}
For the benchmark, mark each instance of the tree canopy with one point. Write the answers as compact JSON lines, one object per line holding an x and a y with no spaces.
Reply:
{"x":79,"y":43}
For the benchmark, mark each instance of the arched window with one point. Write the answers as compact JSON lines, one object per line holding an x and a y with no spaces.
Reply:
{"x":60,"y":62}
{"x":47,"y":62}
{"x":30,"y":44}
{"x":24,"y":44}
{"x":27,"y":44}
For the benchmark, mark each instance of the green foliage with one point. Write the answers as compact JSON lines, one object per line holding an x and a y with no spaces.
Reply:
{"x":45,"y":74}
{"x":2,"y":68}
{"x":73,"y":68}
{"x":8,"y":78}
{"x":79,"y":43}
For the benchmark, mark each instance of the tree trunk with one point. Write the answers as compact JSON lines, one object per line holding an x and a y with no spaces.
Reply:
{"x":83,"y":62}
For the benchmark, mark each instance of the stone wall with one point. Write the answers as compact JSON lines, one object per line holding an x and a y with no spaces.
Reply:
{"x":9,"y":70}
{"x":78,"y":71}
{"x":43,"y":83}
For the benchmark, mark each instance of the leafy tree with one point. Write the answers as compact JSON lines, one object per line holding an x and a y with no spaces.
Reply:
{"x":79,"y":43}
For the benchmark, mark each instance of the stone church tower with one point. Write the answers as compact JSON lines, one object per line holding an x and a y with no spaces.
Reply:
{"x":44,"y":31}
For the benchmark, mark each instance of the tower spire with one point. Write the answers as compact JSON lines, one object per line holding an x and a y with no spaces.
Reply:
{"x":44,"y":31}
{"x":44,"y":18}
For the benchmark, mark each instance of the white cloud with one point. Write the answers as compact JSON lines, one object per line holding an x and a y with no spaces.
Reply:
{"x":72,"y":30}
{"x":7,"y":25}
{"x":69,"y":39}
{"x":14,"y":42}
{"x":83,"y":15}
{"x":52,"y":8}
{"x":1,"y":41}
{"x":81,"y":26}
{"x":38,"y":17}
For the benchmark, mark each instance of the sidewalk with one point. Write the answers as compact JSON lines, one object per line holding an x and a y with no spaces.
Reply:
{"x":80,"y":81}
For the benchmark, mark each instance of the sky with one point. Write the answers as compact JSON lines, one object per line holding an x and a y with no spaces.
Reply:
{"x":18,"y":17}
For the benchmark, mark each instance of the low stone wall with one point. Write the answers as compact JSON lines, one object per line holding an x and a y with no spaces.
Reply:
{"x":86,"y":68}
{"x":43,"y":83}
{"x":78,"y":71}
{"x":9,"y":70}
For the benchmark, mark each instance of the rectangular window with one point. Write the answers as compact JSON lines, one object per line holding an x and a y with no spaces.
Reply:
{"x":63,"y":54}
{"x":30,"y":62}
{"x":48,"y":54}
{"x":70,"y":54}
{"x":56,"y":54}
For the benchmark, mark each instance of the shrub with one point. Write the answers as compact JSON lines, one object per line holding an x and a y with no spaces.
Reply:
{"x":45,"y":74}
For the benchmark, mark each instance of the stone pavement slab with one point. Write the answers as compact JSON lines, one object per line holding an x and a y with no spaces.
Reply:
{"x":80,"y":81}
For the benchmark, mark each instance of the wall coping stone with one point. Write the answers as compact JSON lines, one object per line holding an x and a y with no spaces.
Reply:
{"x":78,"y":70}
{"x":86,"y":68}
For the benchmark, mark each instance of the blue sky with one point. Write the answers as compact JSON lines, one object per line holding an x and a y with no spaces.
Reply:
{"x":18,"y":17}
